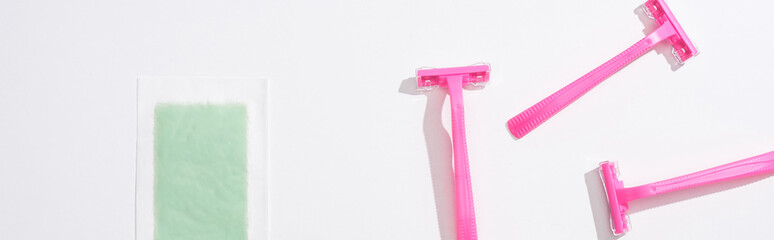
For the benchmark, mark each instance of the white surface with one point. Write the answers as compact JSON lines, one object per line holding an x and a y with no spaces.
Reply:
{"x":252,"y":92}
{"x":348,"y":153}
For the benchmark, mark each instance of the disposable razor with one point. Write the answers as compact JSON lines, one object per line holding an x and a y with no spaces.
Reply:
{"x":669,"y":29}
{"x":454,"y":79}
{"x":618,"y":196}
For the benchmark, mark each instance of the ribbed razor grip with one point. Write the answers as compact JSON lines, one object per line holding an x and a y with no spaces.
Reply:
{"x":531,"y":118}
{"x":466,"y":216}
{"x":760,"y":164}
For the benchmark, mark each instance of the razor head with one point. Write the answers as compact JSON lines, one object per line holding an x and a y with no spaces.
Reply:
{"x":429,"y":79}
{"x":682,"y":47}
{"x":619,"y":220}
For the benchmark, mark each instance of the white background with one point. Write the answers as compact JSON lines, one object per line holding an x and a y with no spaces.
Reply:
{"x":349,"y":152}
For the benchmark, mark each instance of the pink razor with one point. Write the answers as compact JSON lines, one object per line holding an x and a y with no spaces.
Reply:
{"x":454,"y":79}
{"x":619,"y":197}
{"x":668,"y":30}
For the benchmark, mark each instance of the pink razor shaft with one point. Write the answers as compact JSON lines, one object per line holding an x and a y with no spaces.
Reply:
{"x":466,"y":216}
{"x":757,"y":165}
{"x":531,"y":118}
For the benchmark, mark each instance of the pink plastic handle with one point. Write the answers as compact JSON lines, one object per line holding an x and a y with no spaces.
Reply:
{"x":466,"y":216}
{"x":760,"y":164}
{"x":531,"y":118}
{"x":454,"y":78}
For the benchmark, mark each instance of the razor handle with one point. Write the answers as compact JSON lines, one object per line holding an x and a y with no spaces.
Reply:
{"x":749,"y":167}
{"x":466,"y":216}
{"x":529,"y":119}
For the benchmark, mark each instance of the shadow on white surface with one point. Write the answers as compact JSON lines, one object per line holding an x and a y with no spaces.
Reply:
{"x":663,"y":48}
{"x":601,"y":211}
{"x":439,"y":153}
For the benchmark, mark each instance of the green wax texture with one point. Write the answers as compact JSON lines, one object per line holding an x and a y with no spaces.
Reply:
{"x":200,"y":172}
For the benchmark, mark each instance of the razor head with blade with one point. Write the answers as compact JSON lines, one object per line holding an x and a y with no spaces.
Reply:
{"x":619,"y":220}
{"x":682,"y":47}
{"x":476,"y":75}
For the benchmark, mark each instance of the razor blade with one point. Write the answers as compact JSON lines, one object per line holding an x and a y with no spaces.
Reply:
{"x":682,"y":47}
{"x":429,"y":79}
{"x":619,"y":220}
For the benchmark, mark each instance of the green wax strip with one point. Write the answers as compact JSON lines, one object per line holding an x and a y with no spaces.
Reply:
{"x":200,"y":182}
